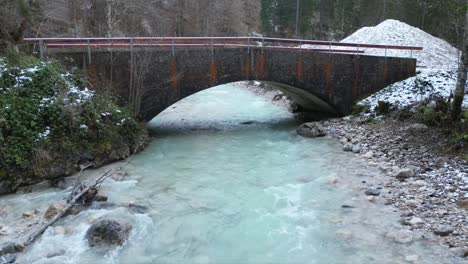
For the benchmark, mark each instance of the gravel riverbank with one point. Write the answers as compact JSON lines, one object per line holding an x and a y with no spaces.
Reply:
{"x":429,"y":188}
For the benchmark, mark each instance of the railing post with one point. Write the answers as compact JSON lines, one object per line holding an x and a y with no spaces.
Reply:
{"x":300,"y":48}
{"x":212,"y":48}
{"x":248,"y":45}
{"x":263,"y":44}
{"x":89,"y":53}
{"x":41,"y":49}
{"x":173,"y":47}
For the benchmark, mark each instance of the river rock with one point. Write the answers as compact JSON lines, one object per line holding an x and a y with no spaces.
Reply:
{"x":463,"y":203}
{"x":57,"y":253}
{"x":53,"y":210}
{"x":369,"y":154}
{"x":311,"y":130}
{"x":405,"y":174}
{"x":29,"y":214}
{"x":418,"y":127}
{"x":137,"y":209}
{"x":10,"y":248}
{"x":416,"y":221}
{"x":372,"y":192}
{"x":7,"y":259}
{"x":356,"y":149}
{"x":443,"y":230}
{"x":107,"y":233}
{"x":404,"y":236}
{"x":101,"y":198}
{"x":348,"y":147}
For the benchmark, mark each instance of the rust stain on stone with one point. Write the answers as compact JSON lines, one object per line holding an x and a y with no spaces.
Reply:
{"x":92,"y":75}
{"x":174,"y":76}
{"x":411,"y":69}
{"x":300,"y":68}
{"x":260,"y":67}
{"x":356,"y":80}
{"x":213,"y":72}
{"x":328,"y":77}
{"x":384,"y":72}
{"x":247,"y":68}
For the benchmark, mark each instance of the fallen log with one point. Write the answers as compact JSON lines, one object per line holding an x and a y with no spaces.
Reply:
{"x":69,"y":205}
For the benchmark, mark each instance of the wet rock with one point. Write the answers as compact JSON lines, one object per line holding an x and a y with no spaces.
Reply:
{"x":53,"y":210}
{"x":10,"y":248}
{"x":101,"y":198}
{"x":404,"y":236}
{"x":348,"y":147}
{"x":463,"y":203}
{"x":8,"y":259}
{"x":443,"y":230}
{"x":54,"y":254}
{"x":137,"y":209}
{"x":356,"y":149}
{"x":248,"y":123}
{"x":4,"y":231}
{"x":372,"y":192}
{"x":30,"y":214}
{"x":311,"y":130}
{"x":107,"y":233}
{"x":405,"y":174}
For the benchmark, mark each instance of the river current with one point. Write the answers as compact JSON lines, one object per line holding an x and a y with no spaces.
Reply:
{"x":219,"y":191}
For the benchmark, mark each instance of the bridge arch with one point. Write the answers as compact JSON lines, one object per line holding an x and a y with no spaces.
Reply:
{"x":306,"y":100}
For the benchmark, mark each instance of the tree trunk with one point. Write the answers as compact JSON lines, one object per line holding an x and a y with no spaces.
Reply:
{"x":109,"y":18}
{"x":462,"y":75}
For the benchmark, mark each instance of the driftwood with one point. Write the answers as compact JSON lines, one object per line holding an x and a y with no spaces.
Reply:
{"x":70,"y":204}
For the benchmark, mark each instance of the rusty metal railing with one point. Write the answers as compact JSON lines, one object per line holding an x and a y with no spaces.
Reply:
{"x":173,"y":43}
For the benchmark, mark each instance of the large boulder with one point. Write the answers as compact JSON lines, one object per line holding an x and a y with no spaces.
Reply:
{"x":107,"y":233}
{"x":311,"y":130}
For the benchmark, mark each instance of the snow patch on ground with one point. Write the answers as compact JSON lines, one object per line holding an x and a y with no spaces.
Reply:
{"x":427,"y":84}
{"x":437,"y":53}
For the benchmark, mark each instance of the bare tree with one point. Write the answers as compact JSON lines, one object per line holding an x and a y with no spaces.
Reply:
{"x":462,"y":74}
{"x":15,"y":16}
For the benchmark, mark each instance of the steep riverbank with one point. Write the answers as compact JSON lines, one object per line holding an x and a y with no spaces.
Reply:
{"x":52,"y":124}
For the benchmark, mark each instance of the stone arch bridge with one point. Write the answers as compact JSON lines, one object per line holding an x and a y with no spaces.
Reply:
{"x":154,"y":73}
